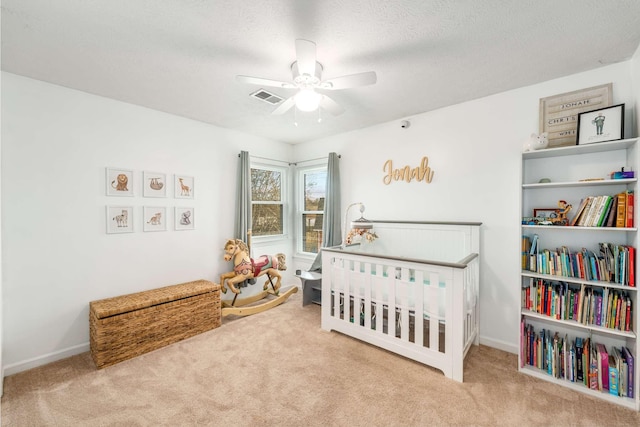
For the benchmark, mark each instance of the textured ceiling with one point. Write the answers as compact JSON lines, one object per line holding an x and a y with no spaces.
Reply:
{"x":182,"y":56}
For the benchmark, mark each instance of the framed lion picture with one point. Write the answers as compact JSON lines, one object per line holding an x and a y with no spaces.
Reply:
{"x":119,"y":182}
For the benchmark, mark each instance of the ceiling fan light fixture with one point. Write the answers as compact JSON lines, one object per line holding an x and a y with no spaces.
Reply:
{"x":308,"y":100}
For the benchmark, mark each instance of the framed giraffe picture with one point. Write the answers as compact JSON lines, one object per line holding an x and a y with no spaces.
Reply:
{"x":183,"y":187}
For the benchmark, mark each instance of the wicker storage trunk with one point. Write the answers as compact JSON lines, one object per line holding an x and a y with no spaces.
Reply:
{"x":129,"y":325}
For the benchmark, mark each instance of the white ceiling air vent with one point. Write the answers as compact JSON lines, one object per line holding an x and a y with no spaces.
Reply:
{"x":265,"y":96}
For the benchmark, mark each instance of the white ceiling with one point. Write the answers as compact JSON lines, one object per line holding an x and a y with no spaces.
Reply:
{"x":182,"y":56}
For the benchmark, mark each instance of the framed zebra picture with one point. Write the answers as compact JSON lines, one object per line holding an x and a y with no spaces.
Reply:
{"x":119,"y":219}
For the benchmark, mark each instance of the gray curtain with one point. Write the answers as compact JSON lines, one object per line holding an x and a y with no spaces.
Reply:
{"x":331,"y":229}
{"x":243,"y":204}
{"x":243,"y":198}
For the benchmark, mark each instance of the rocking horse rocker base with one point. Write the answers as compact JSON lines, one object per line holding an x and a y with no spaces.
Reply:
{"x":246,"y":268}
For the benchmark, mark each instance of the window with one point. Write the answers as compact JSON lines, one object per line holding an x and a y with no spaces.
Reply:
{"x":311,"y":195}
{"x":267,"y":200}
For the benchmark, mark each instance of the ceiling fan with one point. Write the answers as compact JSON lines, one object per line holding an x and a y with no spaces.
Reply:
{"x":307,"y":78}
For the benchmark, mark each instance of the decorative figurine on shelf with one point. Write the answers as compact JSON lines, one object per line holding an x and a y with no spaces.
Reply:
{"x":565,"y":208}
{"x":537,"y":142}
{"x":245,"y":268}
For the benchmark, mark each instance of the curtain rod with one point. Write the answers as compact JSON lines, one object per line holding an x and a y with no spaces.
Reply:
{"x":290,"y":164}
{"x":311,"y":160}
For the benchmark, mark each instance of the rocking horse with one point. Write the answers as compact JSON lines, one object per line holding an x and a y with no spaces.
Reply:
{"x":245,"y":268}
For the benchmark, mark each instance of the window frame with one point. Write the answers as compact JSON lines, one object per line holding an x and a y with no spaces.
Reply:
{"x":300,"y":211}
{"x":285,"y":199}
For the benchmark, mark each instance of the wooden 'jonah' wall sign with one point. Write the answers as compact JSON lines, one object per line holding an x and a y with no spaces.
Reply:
{"x":421,"y":173}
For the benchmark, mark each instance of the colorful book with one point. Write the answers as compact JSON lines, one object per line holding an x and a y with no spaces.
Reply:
{"x":621,"y":214}
{"x":579,"y":212}
{"x":629,"y":206}
{"x":613,"y":214}
{"x":628,"y":356}
{"x":613,"y":376}
{"x":603,"y":367}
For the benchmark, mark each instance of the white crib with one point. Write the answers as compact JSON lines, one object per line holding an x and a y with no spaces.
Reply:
{"x":429,"y":268}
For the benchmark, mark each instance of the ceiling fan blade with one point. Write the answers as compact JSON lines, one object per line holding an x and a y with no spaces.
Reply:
{"x":284,"y":107}
{"x":331,"y":106}
{"x":306,"y":56}
{"x":264,"y":82}
{"x":352,"y":80}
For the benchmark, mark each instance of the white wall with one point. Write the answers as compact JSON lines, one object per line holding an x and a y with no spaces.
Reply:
{"x":57,"y":257}
{"x":474,"y":150}
{"x":57,"y":142}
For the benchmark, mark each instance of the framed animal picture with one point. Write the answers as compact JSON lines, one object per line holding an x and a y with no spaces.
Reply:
{"x":184,"y":218}
{"x":154,"y":184}
{"x":119,"y":182}
{"x":119,"y":219}
{"x":155,"y":218}
{"x":183,"y":187}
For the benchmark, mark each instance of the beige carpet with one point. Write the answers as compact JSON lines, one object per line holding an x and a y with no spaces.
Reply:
{"x":279,"y":368}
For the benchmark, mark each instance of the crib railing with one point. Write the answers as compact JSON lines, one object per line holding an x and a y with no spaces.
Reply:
{"x":426,"y":311}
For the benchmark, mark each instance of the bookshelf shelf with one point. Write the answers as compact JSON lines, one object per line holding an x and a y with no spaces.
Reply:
{"x":577,"y":173}
{"x":575,"y":324}
{"x":588,"y":229}
{"x":546,"y":185}
{"x":537,"y":373}
{"x":598,"y":283}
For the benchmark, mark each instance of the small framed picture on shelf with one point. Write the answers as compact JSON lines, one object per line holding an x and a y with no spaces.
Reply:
{"x":119,"y":182}
{"x":604,"y":124}
{"x":546,"y":213}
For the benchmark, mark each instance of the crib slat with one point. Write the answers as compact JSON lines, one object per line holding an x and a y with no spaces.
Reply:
{"x":367,"y":295}
{"x":379,"y":299}
{"x":403,"y":286}
{"x":389,"y":283}
{"x":432,"y":309}
{"x":418,"y":327}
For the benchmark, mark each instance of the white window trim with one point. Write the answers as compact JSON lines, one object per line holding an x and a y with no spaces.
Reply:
{"x":286,"y":199}
{"x":299,"y":197}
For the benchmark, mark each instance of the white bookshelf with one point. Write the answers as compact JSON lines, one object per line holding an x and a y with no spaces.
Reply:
{"x":576,"y":172}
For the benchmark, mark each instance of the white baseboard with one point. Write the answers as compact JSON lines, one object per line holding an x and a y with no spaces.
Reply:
{"x":500,"y":345}
{"x":24,"y":365}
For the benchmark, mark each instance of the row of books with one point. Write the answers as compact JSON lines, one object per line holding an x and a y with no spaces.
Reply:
{"x":579,"y":360}
{"x":612,"y":263}
{"x":605,"y":211}
{"x":608,"y":308}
